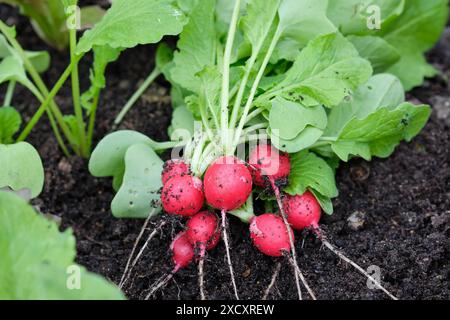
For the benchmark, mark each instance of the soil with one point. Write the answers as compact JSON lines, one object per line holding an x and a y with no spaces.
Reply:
{"x":401,"y":205}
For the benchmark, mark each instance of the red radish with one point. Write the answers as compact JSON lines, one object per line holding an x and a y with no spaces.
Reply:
{"x":183,"y":195}
{"x":227,"y":183}
{"x":270,"y":235}
{"x":266,"y":161}
{"x":302,"y":211}
{"x":182,"y":256}
{"x":174,"y":168}
{"x":202,"y":229}
{"x":270,"y":167}
{"x":214,"y":241}
{"x":182,"y":251}
{"x":202,"y":232}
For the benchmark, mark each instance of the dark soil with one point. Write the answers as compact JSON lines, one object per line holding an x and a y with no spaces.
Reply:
{"x":404,"y":201}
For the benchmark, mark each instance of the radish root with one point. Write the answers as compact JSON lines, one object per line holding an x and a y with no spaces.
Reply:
{"x":201,"y":273}
{"x":160,"y":283}
{"x":305,"y":283}
{"x":227,"y":248}
{"x":127,"y":272}
{"x":327,"y":244}
{"x":272,"y":281}
{"x":291,"y":240}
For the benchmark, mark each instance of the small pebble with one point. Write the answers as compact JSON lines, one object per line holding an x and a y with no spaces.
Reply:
{"x":356,"y":220}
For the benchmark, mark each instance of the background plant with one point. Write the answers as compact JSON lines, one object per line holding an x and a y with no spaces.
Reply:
{"x":36,"y":258}
{"x":49,"y":19}
{"x":74,"y":132}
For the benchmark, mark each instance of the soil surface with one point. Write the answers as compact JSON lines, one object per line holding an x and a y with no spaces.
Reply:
{"x":403,"y":202}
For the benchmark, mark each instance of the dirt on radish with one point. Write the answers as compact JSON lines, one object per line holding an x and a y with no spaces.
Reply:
{"x":405,"y":203}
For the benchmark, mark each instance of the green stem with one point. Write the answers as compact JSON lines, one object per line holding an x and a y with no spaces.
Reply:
{"x":9,"y":93}
{"x":253,"y":115}
{"x":155,"y":73}
{"x":52,"y":123}
{"x":43,"y":107}
{"x":39,"y":82}
{"x":58,"y":137}
{"x":254,"y":88}
{"x":224,"y":99}
{"x":76,"y":95}
{"x":240,"y":95}
{"x":165,"y":145}
{"x":92,"y":117}
{"x":195,"y":162}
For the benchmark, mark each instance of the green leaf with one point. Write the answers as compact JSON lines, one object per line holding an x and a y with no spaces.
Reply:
{"x":412,"y":34}
{"x":256,"y":24}
{"x":380,"y":132}
{"x":103,"y":55}
{"x":302,"y":21}
{"x":299,"y":117}
{"x":353,"y":16}
{"x":163,"y":57}
{"x":304,"y":140}
{"x":382,"y":90}
{"x":39,"y":59}
{"x":197,"y":47}
{"x":10,"y":121}
{"x":107,"y":160}
{"x":126,"y":26}
{"x":37,"y":258}
{"x":378,"y":51}
{"x":11,"y":69}
{"x":48,"y":18}
{"x":139,"y":196}
{"x":309,"y":171}
{"x":183,"y":120}
{"x":91,"y":15}
{"x":325,"y":202}
{"x":21,"y":168}
{"x":326,"y":71}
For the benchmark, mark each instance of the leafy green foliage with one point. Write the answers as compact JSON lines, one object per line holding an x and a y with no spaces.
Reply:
{"x":382,"y":90}
{"x":126,"y":26}
{"x":11,"y":69}
{"x":325,"y":72}
{"x":138,"y":197}
{"x":21,"y":168}
{"x":379,"y":133}
{"x":299,"y":69}
{"x":300,"y":22}
{"x":10,"y":121}
{"x":128,"y":157}
{"x":103,"y":55}
{"x":197,"y":47}
{"x":48,"y":17}
{"x":36,"y":258}
{"x":410,"y":28}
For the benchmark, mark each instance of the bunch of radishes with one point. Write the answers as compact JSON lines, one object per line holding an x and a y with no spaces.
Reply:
{"x":227,"y":185}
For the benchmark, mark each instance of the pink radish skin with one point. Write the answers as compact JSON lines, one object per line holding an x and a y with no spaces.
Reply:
{"x":183,"y":195}
{"x":214,"y":241}
{"x":303,"y":211}
{"x":270,"y":235}
{"x":266,"y":161}
{"x":202,"y":229}
{"x":174,"y":168}
{"x":182,"y":251}
{"x":228,"y":183}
